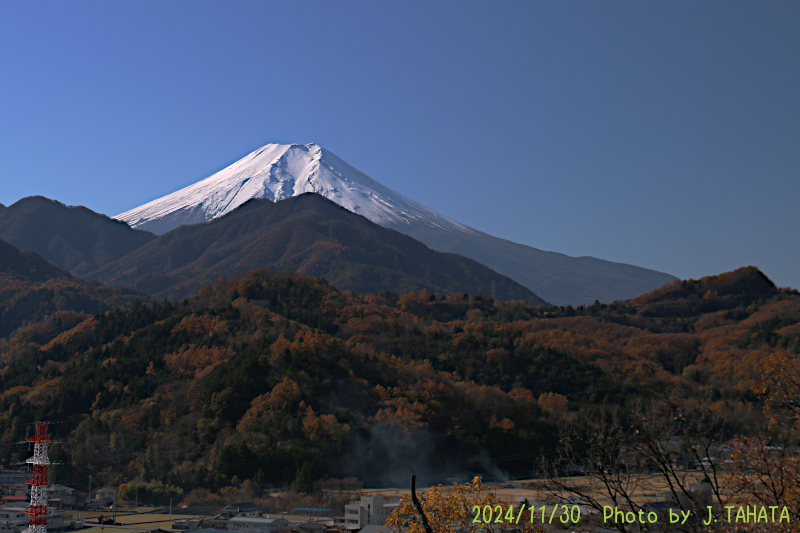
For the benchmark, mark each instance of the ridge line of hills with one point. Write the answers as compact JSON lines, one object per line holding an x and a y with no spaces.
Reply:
{"x":259,"y":363}
{"x":308,"y":234}
{"x":358,"y":344}
{"x":280,"y":171}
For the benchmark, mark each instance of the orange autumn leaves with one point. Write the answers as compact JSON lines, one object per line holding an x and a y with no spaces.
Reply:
{"x":452,"y":508}
{"x":193,"y":359}
{"x":197,"y":360}
{"x":282,"y":407}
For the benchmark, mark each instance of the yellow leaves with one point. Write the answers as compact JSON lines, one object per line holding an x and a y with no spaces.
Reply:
{"x":522,"y":396}
{"x":387,"y":394}
{"x":19,"y":389}
{"x":719,"y":408}
{"x":65,"y":336}
{"x":113,"y":386}
{"x":504,"y":424}
{"x":284,"y":398}
{"x":308,"y":343}
{"x":279,"y":348}
{"x":474,"y":315}
{"x":553,"y":403}
{"x":284,"y":395}
{"x":305,"y":344}
{"x":779,"y":382}
{"x":220,"y":327}
{"x":195,"y":325}
{"x":317,"y":427}
{"x":762,"y":466}
{"x":404,"y":414}
{"x":447,"y":509}
{"x":96,"y":403}
{"x":199,"y":360}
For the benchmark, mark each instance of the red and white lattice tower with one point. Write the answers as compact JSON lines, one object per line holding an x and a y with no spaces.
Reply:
{"x":37,"y":523}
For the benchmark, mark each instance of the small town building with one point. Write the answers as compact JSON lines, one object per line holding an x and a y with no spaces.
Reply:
{"x":251,"y":524}
{"x":188,"y":524}
{"x":310,"y":527}
{"x":243,"y":509}
{"x":9,"y":477}
{"x":65,"y":497}
{"x":18,"y":496}
{"x":370,"y":510}
{"x":106,"y":495}
{"x":218,"y":521}
{"x":12,"y":519}
{"x":375,"y":529}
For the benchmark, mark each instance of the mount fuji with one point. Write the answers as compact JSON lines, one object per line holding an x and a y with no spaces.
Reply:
{"x":280,"y":171}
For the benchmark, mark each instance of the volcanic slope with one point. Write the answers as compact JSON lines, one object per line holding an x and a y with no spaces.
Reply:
{"x":280,"y":171}
{"x":307,"y":234}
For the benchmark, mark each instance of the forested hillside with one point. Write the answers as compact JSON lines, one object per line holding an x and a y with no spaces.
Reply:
{"x":75,"y":238}
{"x":308,"y":234}
{"x":283,"y":379}
{"x":38,"y":299}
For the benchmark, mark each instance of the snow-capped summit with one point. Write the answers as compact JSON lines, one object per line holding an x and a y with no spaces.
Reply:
{"x":280,"y":171}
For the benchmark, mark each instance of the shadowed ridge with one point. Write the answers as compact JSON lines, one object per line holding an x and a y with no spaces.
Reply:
{"x":75,"y":239}
{"x":308,"y":234}
{"x":746,"y":281}
{"x":281,"y":171}
{"x":27,"y":265}
{"x":742,"y":287}
{"x":37,"y":295}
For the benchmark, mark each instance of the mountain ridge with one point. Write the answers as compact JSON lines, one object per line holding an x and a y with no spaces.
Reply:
{"x":27,"y":265}
{"x":308,"y":234}
{"x":279,"y":171}
{"x":74,"y":238}
{"x":274,"y":372}
{"x":33,"y":290}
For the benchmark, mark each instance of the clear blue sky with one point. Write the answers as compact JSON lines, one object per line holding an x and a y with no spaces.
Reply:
{"x":663,"y":134}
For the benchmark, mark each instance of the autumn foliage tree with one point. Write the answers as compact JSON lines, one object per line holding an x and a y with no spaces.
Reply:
{"x":765,"y":467}
{"x":553,"y":402}
{"x":454,"y":507}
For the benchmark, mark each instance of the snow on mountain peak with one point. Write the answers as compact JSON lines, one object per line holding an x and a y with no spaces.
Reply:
{"x":280,"y":171}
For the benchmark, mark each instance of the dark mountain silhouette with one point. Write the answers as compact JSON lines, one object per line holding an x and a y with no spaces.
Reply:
{"x":307,"y":234}
{"x":33,"y":289}
{"x":278,"y":171}
{"x":740,"y":287}
{"x":26,"y":265}
{"x":565,"y":280}
{"x":75,"y":239}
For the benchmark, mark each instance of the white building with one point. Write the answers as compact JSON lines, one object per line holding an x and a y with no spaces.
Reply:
{"x":106,"y":495}
{"x":370,"y":510}
{"x":12,"y":519}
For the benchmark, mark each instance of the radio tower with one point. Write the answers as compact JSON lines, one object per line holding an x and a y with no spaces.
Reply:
{"x":37,"y":523}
